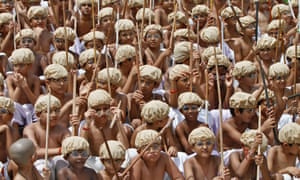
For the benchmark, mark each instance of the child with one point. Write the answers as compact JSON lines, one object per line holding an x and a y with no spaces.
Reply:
{"x":203,"y":165}
{"x":278,"y":75}
{"x":23,"y":86}
{"x":201,"y":15}
{"x":265,"y":49}
{"x":8,"y":134}
{"x":282,"y":158}
{"x":155,"y":116}
{"x":242,"y":45}
{"x":76,"y":151}
{"x":98,"y":118}
{"x":22,"y":152}
{"x":153,"y":163}
{"x":189,"y":104}
{"x":244,"y":164}
{"x":242,"y":108}
{"x":107,"y":19}
{"x":88,"y":41}
{"x":230,"y":20}
{"x":6,"y":33}
{"x":83,"y":22}
{"x":125,"y":58}
{"x":290,"y":55}
{"x":150,"y":78}
{"x":245,"y":72}
{"x":87,"y":63}
{"x":37,"y":17}
{"x":117,"y":151}
{"x":225,"y":80}
{"x":162,"y":9}
{"x":154,"y":55}
{"x":36,"y":132}
{"x":56,"y":81}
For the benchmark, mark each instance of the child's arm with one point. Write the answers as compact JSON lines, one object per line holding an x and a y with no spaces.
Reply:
{"x":6,"y":44}
{"x":262,"y":162}
{"x":136,"y":170}
{"x":30,"y":134}
{"x":132,"y":78}
{"x":188,"y":170}
{"x":172,"y":149}
{"x":240,"y":168}
{"x":271,"y":159}
{"x":183,"y":140}
{"x":62,"y":174}
{"x":233,"y":134}
{"x":171,"y":168}
{"x":32,"y":94}
{"x":9,"y":138}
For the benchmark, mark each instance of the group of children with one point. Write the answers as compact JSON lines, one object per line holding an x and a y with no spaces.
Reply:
{"x":134,"y":89}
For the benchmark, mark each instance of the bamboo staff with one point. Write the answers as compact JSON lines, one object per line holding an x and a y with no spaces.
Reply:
{"x":191,"y":58}
{"x":114,"y":119}
{"x":125,"y":8}
{"x":146,"y":148}
{"x":173,"y":25}
{"x":117,"y":29}
{"x":74,"y":111}
{"x":256,"y":18}
{"x":259,"y":146}
{"x":109,"y":153}
{"x":65,"y":34}
{"x":47,"y":128}
{"x":221,"y":113}
{"x":54,"y":13}
{"x":139,"y":59}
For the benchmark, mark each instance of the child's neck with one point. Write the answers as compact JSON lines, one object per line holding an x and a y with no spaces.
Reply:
{"x":202,"y":160}
{"x":27,"y":172}
{"x":76,"y":170}
{"x":86,"y":17}
{"x":246,"y":87}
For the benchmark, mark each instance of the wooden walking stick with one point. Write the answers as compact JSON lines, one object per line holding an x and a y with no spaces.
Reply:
{"x":74,"y":110}
{"x":259,"y":146}
{"x":220,"y":111}
{"x":47,"y":128}
{"x":191,"y":58}
{"x":109,"y":153}
{"x":139,"y":59}
{"x":125,"y":8}
{"x":173,"y":25}
{"x":146,"y":148}
{"x":65,"y":34}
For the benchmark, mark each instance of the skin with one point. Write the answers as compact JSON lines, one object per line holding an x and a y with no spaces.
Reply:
{"x":76,"y":169}
{"x":282,"y":158}
{"x":154,"y":164}
{"x":185,"y":127}
{"x":91,"y":130}
{"x":235,"y":126}
{"x":168,"y":139}
{"x":23,"y":82}
{"x":37,"y":133}
{"x":203,"y":165}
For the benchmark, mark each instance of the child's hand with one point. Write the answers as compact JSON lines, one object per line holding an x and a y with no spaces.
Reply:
{"x":20,"y":80}
{"x":138,"y":96}
{"x":74,"y":120}
{"x":294,"y":171}
{"x":259,"y":159}
{"x":258,"y":140}
{"x":172,"y":151}
{"x":226,"y":175}
{"x":89,"y":116}
{"x":46,"y":173}
{"x":85,"y":88}
{"x":3,"y":128}
{"x":228,"y":79}
{"x":270,"y":123}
